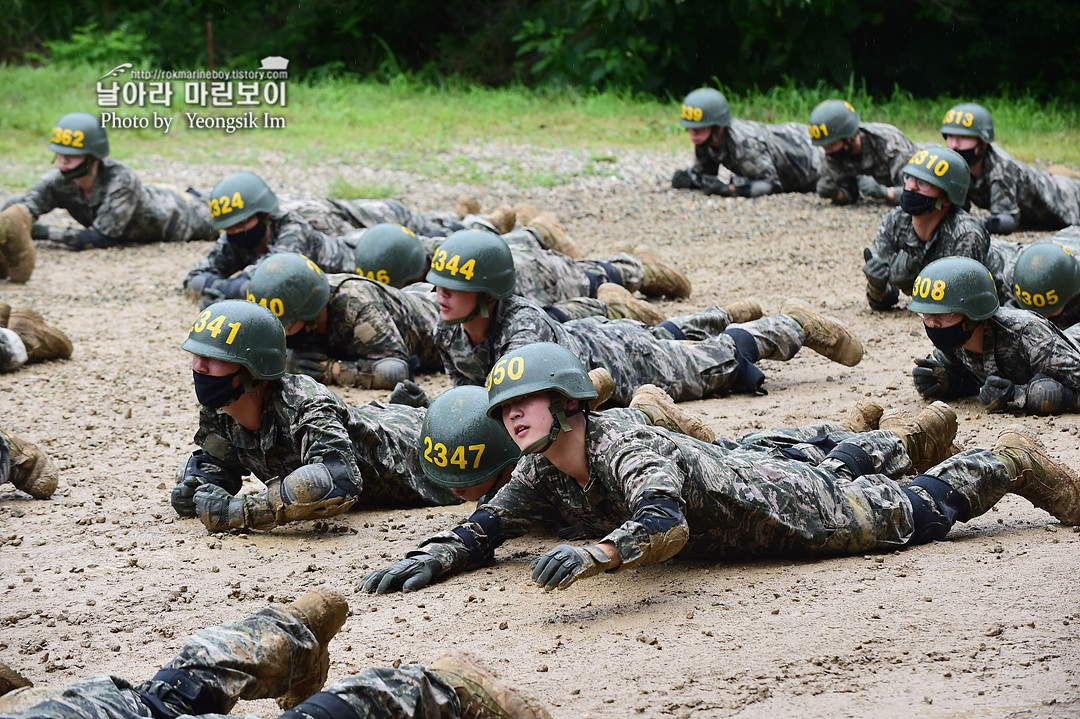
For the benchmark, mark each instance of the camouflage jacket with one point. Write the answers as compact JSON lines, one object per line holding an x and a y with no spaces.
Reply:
{"x":1017,"y":345}
{"x":885,"y":154}
{"x":289,"y":232}
{"x":1006,"y":186}
{"x":303,"y":422}
{"x":341,"y":217}
{"x":654,"y":494}
{"x":780,"y":154}
{"x":120,"y":207}
{"x":958,"y":234}
{"x":368,"y":321}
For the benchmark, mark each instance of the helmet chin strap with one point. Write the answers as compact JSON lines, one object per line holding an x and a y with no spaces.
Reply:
{"x":559,"y":423}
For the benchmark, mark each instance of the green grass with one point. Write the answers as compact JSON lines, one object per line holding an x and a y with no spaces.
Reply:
{"x":342,"y":189}
{"x":417,"y":126}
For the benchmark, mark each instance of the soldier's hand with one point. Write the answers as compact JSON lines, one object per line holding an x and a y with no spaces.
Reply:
{"x":313,"y":364}
{"x":409,"y":393}
{"x":872,"y":188}
{"x":682,"y":179}
{"x":996,"y":393}
{"x":902,"y":272}
{"x":38,"y":231}
{"x":930,"y":376}
{"x":183,"y":496}
{"x":235,"y":287}
{"x":565,"y":564}
{"x":713,"y":185}
{"x":408,"y":575}
{"x":210,"y":295}
{"x":876,"y":268}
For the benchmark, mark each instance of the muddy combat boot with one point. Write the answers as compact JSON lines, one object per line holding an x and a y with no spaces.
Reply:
{"x":31,"y":471}
{"x":42,"y":341}
{"x":483,"y":695}
{"x":503,"y":218}
{"x":660,"y":277}
{"x":604,"y":385}
{"x":863,"y":417}
{"x":1036,"y":477}
{"x":827,"y":336}
{"x":1063,"y":170}
{"x":466,"y":206}
{"x":323,"y":611}
{"x":16,"y":245}
{"x":525,"y":213}
{"x":10,"y":680}
{"x":554,"y":237}
{"x":662,"y":411}
{"x":622,"y":304}
{"x":927,"y":437}
{"x":745,"y":310}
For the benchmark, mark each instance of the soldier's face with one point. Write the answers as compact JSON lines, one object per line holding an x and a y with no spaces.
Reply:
{"x":939,"y":321}
{"x":213,"y":367}
{"x":699,"y":135}
{"x":455,"y":304}
{"x":528,"y":419}
{"x":961,"y":142}
{"x":921,"y":186}
{"x":68,"y":162}
{"x":471,"y":494}
{"x":243,"y":226}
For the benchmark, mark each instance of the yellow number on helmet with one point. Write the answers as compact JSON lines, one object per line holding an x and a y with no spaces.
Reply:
{"x":938,"y":292}
{"x":237,"y":201}
{"x":479,"y":449}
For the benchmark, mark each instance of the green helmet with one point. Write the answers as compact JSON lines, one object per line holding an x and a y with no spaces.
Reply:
{"x":474,"y":261}
{"x":705,"y":107}
{"x":1046,"y":277}
{"x":943,"y":168}
{"x":238,"y":197}
{"x":539,"y":367}
{"x":832,"y":120}
{"x":391,"y":254}
{"x":968,"y":119}
{"x":242,"y":332}
{"x":291,"y":286}
{"x":955,"y":284}
{"x":79,"y":133}
{"x":461,"y":445}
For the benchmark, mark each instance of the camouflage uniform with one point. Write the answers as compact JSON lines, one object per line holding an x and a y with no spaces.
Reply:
{"x":303,"y":423}
{"x":259,"y":657}
{"x":341,"y":217}
{"x":547,"y":277}
{"x":958,"y":234}
{"x":120,"y":207}
{"x":885,"y":153}
{"x":289,"y":232}
{"x":1002,"y":264}
{"x":779,"y":154}
{"x":654,"y":494}
{"x":1037,"y":199}
{"x":1017,"y":345}
{"x":706,"y":365}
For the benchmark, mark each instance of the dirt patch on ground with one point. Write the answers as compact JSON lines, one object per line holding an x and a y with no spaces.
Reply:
{"x":104,"y":577}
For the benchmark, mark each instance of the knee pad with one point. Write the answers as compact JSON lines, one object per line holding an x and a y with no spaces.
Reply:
{"x":322,"y":705}
{"x":557,"y":314}
{"x":933,"y":520}
{"x":673,"y":329}
{"x":856,"y":460}
{"x":748,"y":378}
{"x":184,"y":693}
{"x":613,"y":273}
{"x":1046,"y":395}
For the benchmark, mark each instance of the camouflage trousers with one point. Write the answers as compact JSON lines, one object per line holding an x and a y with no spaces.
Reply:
{"x":684,"y":367}
{"x":1073,"y":333}
{"x":816,"y":504}
{"x":258,"y":657}
{"x":340,"y":217}
{"x":547,"y":277}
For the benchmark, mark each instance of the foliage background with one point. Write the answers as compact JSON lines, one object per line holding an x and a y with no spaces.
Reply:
{"x":658,"y":47}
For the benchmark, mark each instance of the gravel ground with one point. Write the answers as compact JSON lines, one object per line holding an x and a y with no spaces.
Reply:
{"x":104,"y":577}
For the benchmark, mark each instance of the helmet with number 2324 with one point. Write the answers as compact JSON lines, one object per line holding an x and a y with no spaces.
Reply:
{"x":238,"y":197}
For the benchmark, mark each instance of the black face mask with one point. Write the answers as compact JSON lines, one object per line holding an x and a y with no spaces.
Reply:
{"x":298,"y":339}
{"x":80,"y":170}
{"x":970,"y":155}
{"x":913,"y":203}
{"x":248,"y":239}
{"x":842,"y":154}
{"x":216,"y":392}
{"x":949,"y":338}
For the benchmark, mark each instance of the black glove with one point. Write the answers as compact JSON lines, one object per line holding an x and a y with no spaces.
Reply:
{"x":210,"y":295}
{"x":876,"y":268}
{"x":409,"y":393}
{"x":872,"y":188}
{"x":996,"y":393}
{"x":565,"y":564}
{"x":408,"y":575}
{"x":313,"y":364}
{"x":683,"y":179}
{"x":183,"y":496}
{"x":713,"y":185}
{"x":235,"y":287}
{"x":39,"y":231}
{"x":1000,"y":224}
{"x":902,"y":271}
{"x":931,"y":377}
